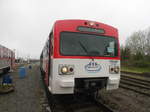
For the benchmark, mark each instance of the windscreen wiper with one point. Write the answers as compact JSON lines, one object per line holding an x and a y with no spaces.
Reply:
{"x":85,"y":49}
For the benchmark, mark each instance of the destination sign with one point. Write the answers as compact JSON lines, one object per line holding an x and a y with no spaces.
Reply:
{"x":87,"y":29}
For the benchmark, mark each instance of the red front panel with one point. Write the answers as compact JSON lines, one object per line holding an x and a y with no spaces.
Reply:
{"x":71,"y":26}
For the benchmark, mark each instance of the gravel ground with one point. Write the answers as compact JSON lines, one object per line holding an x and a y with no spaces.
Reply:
{"x":29,"y":94}
{"x":123,"y":100}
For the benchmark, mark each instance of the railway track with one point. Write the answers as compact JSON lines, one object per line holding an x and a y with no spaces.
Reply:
{"x":71,"y":103}
{"x":137,"y":85}
{"x":136,"y":79}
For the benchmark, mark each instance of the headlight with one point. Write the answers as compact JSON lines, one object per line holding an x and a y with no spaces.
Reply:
{"x":66,"y":69}
{"x":114,"y":69}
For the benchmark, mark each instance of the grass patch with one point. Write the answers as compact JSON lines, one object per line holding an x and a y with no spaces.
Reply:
{"x":135,"y":69}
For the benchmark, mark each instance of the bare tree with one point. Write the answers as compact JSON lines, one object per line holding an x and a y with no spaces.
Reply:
{"x":137,"y":43}
{"x":148,"y":42}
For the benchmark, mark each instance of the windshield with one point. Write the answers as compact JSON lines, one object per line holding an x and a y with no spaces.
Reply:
{"x":81,"y":44}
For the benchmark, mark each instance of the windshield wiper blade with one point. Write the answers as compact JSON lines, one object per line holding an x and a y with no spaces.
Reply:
{"x":85,"y":49}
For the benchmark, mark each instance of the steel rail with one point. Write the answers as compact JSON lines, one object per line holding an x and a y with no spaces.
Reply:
{"x":134,"y":85}
{"x":135,"y":81}
{"x":131,"y":89}
{"x":103,"y":106}
{"x":135,"y":78}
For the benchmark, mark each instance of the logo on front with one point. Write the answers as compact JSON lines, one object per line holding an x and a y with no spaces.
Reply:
{"x":93,"y":67}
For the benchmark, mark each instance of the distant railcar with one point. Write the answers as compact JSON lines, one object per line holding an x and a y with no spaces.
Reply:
{"x":81,"y":55}
{"x":7,"y":58}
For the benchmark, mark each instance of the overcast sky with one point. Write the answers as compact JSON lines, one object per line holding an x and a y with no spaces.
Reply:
{"x":25,"y":24}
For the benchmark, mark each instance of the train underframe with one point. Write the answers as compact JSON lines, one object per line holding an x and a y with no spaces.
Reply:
{"x":90,"y":85}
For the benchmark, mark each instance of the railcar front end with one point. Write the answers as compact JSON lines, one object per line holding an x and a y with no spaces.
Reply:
{"x":84,"y":56}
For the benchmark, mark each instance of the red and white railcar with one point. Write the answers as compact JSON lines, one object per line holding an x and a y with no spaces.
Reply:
{"x":81,"y":55}
{"x":7,"y":58}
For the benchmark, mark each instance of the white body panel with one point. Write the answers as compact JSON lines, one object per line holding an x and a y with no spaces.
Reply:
{"x":64,"y":84}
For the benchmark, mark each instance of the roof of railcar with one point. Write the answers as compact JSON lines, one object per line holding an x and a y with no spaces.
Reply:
{"x":71,"y":25}
{"x":81,"y":22}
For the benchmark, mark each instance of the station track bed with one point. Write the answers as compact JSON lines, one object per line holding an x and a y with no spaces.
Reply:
{"x":75,"y":103}
{"x":71,"y":104}
{"x":137,"y":85}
